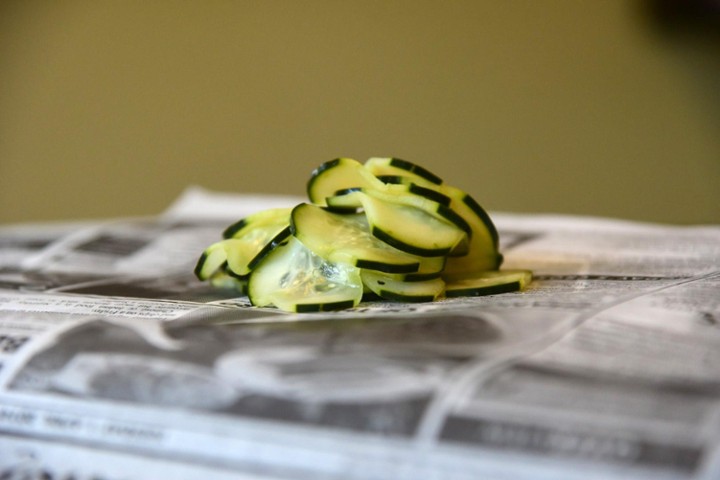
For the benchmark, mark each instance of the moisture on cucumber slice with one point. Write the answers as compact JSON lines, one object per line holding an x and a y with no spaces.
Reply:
{"x":488,"y":283}
{"x":347,"y":239}
{"x":405,"y":226}
{"x":339,"y":174}
{"x":294,"y":279}
{"x":262,"y":219}
{"x":391,"y":288}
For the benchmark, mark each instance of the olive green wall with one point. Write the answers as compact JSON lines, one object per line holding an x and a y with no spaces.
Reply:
{"x":111,"y":108}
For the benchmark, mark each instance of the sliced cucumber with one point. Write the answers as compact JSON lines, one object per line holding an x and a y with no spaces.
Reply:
{"x":391,"y":287}
{"x":387,"y":228}
{"x":409,"y":277}
{"x":279,"y":239}
{"x":471,"y":210}
{"x":211,"y":261}
{"x":342,"y":174}
{"x":223,"y":280}
{"x":244,"y":252}
{"x":262,"y":219}
{"x":348,"y":199}
{"x":395,"y":166}
{"x":438,"y":210}
{"x":347,"y":238}
{"x":429,"y":266}
{"x":482,"y":253}
{"x":339,"y":174}
{"x":404,"y":184}
{"x":294,"y":279}
{"x":405,"y":226}
{"x":429,"y":193}
{"x":488,"y":283}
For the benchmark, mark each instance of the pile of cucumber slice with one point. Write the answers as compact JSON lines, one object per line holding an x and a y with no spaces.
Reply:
{"x":387,"y":229}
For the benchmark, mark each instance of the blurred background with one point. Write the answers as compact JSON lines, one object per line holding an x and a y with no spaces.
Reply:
{"x":112,"y":108}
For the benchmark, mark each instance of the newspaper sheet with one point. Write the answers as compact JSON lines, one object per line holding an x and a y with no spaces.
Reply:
{"x":116,"y":363}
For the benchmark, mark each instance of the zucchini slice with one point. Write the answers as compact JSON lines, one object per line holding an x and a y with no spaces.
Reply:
{"x":390,"y":287}
{"x":347,"y":239}
{"x":293,"y":278}
{"x":339,"y":174}
{"x":488,"y":283}
{"x":405,"y":223}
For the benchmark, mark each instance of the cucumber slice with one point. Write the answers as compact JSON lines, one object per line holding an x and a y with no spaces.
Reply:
{"x":409,"y":277}
{"x":392,"y":288}
{"x":339,"y":174}
{"x":277,"y":240}
{"x":470,"y":209}
{"x":482,"y":252}
{"x":401,"y":184}
{"x":429,"y":193}
{"x":347,"y":239}
{"x":246,"y":239}
{"x":405,"y":223}
{"x":211,"y":261}
{"x":429,"y":267}
{"x":245,"y":252}
{"x":294,"y":279}
{"x":395,"y":166}
{"x":224,"y":280}
{"x":265,"y":218}
{"x":387,"y":228}
{"x":488,"y":283}
{"x":347,"y":199}
{"x":342,"y":174}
